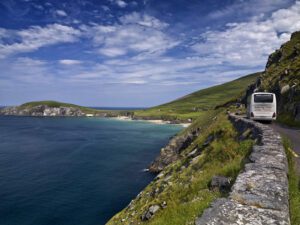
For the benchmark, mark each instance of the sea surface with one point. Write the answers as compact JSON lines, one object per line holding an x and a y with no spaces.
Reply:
{"x":69,"y":171}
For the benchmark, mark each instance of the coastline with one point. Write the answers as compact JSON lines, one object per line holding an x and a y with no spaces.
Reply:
{"x":127,"y":118}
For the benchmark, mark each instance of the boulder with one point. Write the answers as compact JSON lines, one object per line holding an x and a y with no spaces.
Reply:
{"x":285,"y":89}
{"x":150,"y":212}
{"x":220,"y":183}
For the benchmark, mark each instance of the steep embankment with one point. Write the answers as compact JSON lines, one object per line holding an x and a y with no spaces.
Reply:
{"x":184,"y":189}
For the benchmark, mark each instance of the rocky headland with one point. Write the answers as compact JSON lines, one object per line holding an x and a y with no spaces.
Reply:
{"x":42,"y":110}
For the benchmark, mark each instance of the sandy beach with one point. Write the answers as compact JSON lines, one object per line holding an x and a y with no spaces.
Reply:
{"x":152,"y":121}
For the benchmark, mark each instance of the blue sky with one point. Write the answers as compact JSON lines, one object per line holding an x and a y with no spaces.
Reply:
{"x":134,"y":53}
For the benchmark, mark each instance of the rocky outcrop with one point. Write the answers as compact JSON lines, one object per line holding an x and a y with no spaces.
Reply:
{"x":260,"y":192}
{"x":172,"y":151}
{"x":42,"y":110}
{"x":150,"y":212}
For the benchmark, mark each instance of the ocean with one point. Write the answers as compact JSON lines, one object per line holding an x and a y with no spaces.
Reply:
{"x":69,"y":171}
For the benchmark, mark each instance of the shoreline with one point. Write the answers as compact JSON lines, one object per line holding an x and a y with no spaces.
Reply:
{"x":124,"y":118}
{"x":161,"y":122}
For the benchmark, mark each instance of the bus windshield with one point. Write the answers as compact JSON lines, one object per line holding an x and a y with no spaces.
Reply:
{"x":263,"y":98}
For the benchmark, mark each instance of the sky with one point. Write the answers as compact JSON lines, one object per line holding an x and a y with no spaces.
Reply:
{"x":134,"y":53}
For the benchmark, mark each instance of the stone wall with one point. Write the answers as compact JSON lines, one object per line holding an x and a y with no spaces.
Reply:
{"x":260,"y":193}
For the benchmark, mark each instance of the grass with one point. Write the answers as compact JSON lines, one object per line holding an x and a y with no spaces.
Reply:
{"x":184,"y":184}
{"x":198,"y":103}
{"x":287,"y":119}
{"x":294,"y":185}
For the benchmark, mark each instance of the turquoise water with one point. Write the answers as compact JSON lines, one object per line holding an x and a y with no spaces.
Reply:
{"x":69,"y":171}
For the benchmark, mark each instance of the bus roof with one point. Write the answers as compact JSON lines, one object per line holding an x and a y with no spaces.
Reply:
{"x":261,"y":93}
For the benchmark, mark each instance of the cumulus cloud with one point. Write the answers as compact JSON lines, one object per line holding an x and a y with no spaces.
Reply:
{"x":135,"y":34}
{"x":35,"y":37}
{"x":249,"y":43}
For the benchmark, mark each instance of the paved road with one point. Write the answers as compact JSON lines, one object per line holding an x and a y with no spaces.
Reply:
{"x":294,"y":136}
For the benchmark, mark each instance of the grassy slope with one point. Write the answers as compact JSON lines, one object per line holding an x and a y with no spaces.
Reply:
{"x":294,"y":186}
{"x":197,"y":103}
{"x":184,"y":184}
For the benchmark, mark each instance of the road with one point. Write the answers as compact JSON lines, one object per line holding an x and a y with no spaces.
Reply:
{"x":294,"y":136}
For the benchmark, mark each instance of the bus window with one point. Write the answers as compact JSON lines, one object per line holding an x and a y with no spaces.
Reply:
{"x":263,"y":98}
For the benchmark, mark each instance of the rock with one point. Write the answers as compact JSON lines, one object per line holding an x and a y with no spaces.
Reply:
{"x":172,"y":151}
{"x":220,"y":183}
{"x":164,"y":204}
{"x":150,"y":212}
{"x":208,"y":140}
{"x":274,"y":58}
{"x":285,"y":89}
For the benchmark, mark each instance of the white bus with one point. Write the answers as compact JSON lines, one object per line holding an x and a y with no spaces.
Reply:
{"x":262,"y":106}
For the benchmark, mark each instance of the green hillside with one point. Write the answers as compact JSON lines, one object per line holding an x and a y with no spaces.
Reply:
{"x":195,"y":104}
{"x":58,"y":104}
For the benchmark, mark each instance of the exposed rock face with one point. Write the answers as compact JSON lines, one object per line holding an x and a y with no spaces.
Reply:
{"x":171,"y":152}
{"x":260,"y":193}
{"x":220,"y":183}
{"x":42,"y":110}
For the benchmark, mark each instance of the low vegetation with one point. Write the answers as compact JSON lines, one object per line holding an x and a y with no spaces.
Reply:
{"x":294,"y":185}
{"x":288,"y":119}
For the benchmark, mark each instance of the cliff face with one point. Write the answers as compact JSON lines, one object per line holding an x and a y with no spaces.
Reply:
{"x":171,"y":152}
{"x":42,"y":110}
{"x":282,"y":77}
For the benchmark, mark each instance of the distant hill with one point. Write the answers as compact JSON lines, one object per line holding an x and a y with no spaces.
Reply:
{"x":56,"y":104}
{"x":54,"y":108}
{"x":194,"y":104}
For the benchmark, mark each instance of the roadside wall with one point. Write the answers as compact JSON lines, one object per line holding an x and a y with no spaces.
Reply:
{"x":260,"y":193}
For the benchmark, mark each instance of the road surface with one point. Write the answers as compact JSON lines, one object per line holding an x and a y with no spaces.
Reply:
{"x":294,"y":136}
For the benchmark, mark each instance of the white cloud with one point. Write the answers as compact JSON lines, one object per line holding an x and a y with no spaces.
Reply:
{"x":61,"y":13}
{"x":35,"y":37}
{"x":249,"y":8}
{"x":137,"y":34}
{"x":143,"y":20}
{"x":69,"y":62}
{"x":121,"y":3}
{"x":112,"y":52}
{"x":250,"y":43}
